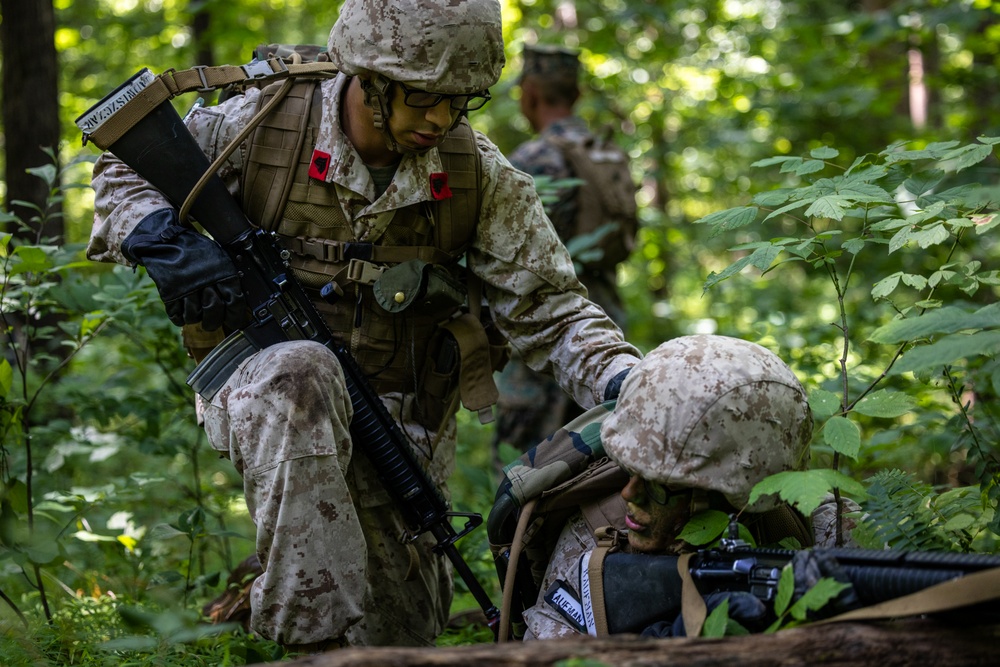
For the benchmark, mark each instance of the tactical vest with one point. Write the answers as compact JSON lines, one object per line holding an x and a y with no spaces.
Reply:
{"x":401,"y":307}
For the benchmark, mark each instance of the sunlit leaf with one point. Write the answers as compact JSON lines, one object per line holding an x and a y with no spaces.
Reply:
{"x":831,"y":206}
{"x":810,"y":167}
{"x":6,"y":378}
{"x":806,"y":489}
{"x":843,"y":436}
{"x":949,"y":319}
{"x":732,"y":218}
{"x":704,"y":527}
{"x":985,"y":223}
{"x":966,"y":156}
{"x":948,"y":350}
{"x":823,"y":403}
{"x":885,"y":403}
{"x":932,"y":235}
{"x":853,"y":246}
{"x":824,"y":153}
{"x":886,"y":286}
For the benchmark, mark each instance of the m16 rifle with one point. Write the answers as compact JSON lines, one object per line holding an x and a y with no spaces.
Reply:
{"x":641,"y":589}
{"x":137,"y":123}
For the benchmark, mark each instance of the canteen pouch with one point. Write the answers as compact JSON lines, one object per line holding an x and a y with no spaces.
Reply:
{"x":430,"y":286}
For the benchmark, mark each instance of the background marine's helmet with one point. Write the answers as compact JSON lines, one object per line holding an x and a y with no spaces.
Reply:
{"x":712,"y":413}
{"x":441,"y":46}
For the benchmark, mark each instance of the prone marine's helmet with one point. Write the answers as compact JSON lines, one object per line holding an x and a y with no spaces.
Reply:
{"x":453,"y":47}
{"x":712,"y":413}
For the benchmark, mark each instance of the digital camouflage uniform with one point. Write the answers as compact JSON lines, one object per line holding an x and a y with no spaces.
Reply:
{"x":709,"y":413}
{"x":335,"y":563}
{"x":531,"y":405}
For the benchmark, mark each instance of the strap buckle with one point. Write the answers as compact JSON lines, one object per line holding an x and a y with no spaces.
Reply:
{"x":261,"y":69}
{"x":205,"y":87}
{"x":365,"y":273}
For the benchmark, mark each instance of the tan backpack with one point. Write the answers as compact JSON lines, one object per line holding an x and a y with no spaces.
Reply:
{"x":606,"y":222}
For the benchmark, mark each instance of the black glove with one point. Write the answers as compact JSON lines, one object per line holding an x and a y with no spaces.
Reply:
{"x":615,"y":385}
{"x":744,"y":608}
{"x":196,"y":279}
{"x":808,"y":567}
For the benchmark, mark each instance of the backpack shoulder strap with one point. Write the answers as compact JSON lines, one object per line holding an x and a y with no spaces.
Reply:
{"x":273,"y":151}
{"x":459,"y":214}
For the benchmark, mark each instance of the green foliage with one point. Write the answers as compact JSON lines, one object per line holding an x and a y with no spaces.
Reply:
{"x":904,"y":513}
{"x":95,"y":420}
{"x":904,"y":211}
{"x":792,"y":611}
{"x":697,"y":94}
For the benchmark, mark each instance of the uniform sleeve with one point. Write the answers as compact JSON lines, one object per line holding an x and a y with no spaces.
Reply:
{"x":122,"y":198}
{"x":532,"y":289}
{"x":544,"y":622}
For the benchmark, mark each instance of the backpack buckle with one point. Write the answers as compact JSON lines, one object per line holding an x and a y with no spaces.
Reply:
{"x":261,"y":69}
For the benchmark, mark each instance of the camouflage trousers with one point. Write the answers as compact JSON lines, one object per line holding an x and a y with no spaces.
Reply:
{"x":330,"y":543}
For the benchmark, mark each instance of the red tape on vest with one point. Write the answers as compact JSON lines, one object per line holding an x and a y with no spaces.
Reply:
{"x":319,"y":165}
{"x":439,"y":185}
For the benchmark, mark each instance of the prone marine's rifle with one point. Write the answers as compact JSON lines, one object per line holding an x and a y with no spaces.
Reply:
{"x":640,"y":589}
{"x":149,"y":136}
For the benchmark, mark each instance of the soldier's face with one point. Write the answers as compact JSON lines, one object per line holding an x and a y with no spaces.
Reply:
{"x":419,"y":129}
{"x":653,"y":526}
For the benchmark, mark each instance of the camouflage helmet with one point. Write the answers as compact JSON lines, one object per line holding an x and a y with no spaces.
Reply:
{"x":441,"y":46}
{"x":712,"y":413}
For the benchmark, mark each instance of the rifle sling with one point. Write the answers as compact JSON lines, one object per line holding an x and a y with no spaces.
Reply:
{"x":202,"y":79}
{"x":693,"y":607}
{"x":963,"y":591}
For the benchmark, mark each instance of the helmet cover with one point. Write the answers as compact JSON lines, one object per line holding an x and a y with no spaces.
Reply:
{"x":713,"y":413}
{"x":442,"y":46}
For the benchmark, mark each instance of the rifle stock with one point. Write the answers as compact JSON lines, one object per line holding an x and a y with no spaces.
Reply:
{"x":159,"y":147}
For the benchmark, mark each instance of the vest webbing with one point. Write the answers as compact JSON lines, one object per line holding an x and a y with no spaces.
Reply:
{"x":280,"y":196}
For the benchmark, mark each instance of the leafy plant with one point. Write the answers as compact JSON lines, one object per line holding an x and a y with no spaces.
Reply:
{"x":907,"y":212}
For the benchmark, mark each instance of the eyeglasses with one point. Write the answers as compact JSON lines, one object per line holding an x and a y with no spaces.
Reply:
{"x":421,"y":99}
{"x":657,"y":492}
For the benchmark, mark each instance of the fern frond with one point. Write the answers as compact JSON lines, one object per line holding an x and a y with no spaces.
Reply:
{"x":899,"y":512}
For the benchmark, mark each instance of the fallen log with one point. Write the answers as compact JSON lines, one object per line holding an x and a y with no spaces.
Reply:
{"x":885,"y":644}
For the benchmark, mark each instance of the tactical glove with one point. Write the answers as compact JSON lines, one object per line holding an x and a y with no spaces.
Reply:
{"x":196,"y":279}
{"x":744,"y":608}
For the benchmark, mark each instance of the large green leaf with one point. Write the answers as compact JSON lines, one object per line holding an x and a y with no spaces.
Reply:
{"x":885,"y":403}
{"x":843,"y":435}
{"x":823,"y":403}
{"x":806,"y":489}
{"x":948,"y":350}
{"x":946,"y":320}
{"x":704,"y":527}
{"x":732,"y":218}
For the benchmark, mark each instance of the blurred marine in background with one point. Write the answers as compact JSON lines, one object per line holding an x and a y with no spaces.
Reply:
{"x":594,"y":215}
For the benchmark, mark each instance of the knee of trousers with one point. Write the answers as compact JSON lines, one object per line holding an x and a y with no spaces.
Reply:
{"x":290,"y":401}
{"x":300,"y":370}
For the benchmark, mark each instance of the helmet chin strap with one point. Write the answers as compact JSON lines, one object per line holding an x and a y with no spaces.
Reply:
{"x":376,"y":92}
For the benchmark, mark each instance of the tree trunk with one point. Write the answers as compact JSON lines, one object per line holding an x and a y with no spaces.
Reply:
{"x":913,"y":642}
{"x":30,"y":112}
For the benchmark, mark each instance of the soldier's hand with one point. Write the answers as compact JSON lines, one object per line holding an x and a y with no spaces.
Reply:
{"x":195,"y":277}
{"x":744,"y":608}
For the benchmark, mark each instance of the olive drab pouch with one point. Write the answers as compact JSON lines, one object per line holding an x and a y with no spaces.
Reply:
{"x":416,"y":282}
